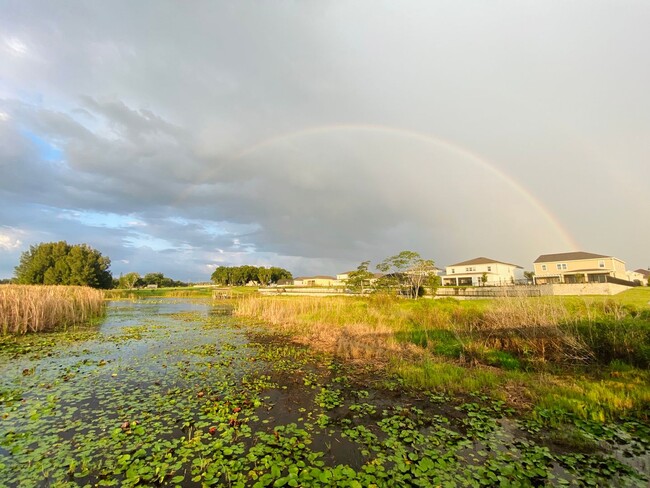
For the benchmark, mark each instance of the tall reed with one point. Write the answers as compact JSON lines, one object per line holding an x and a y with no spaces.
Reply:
{"x":36,"y":308}
{"x":352,"y":328}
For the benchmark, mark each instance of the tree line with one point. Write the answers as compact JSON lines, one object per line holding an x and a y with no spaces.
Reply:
{"x":60,"y":263}
{"x":134,"y":280}
{"x":241,"y":275}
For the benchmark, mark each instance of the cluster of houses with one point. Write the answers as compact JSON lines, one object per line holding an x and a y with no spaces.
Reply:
{"x":567,"y":267}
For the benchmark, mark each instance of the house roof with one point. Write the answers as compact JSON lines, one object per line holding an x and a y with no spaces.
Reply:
{"x":483,"y":260}
{"x":568,"y":256}
{"x":644,"y":272}
{"x":316,"y":278}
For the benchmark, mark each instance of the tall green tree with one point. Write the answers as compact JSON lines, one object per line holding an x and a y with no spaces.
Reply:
{"x":60,"y":263}
{"x":264,"y":275}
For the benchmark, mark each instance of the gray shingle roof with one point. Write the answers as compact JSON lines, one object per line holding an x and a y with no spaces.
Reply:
{"x":568,"y":256}
{"x":483,"y":260}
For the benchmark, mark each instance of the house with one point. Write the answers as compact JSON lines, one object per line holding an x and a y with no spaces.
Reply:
{"x":343,"y":277}
{"x":316,"y":281}
{"x":480,"y":271}
{"x":578,"y":267}
{"x":643,"y":275}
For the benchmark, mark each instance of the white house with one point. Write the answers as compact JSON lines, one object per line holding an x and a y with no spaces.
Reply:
{"x":480,"y":271}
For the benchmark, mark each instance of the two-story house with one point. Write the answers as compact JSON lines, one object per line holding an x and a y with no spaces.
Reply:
{"x":480,"y":271}
{"x":577,"y":267}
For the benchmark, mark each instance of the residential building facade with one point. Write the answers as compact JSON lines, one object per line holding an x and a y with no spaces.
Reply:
{"x":578,"y":267}
{"x":480,"y":271}
{"x":316,"y":281}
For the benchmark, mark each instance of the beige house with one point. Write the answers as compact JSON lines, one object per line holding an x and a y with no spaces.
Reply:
{"x":642,"y":275}
{"x":316,"y":281}
{"x":475,"y":271}
{"x":578,"y":267}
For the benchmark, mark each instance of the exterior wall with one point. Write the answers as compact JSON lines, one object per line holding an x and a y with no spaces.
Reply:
{"x":634,"y":276}
{"x":315,"y":281}
{"x":497,"y":273}
{"x":612,"y":266}
{"x":588,"y":289}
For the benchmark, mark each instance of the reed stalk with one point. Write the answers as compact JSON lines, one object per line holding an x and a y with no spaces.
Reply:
{"x":37,"y":308}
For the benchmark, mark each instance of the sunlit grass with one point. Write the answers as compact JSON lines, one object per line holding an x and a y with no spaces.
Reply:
{"x":35,"y":308}
{"x":554,"y":352}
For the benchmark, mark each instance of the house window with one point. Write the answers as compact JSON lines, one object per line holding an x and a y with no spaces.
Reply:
{"x":470,"y":269}
{"x":561,"y":266}
{"x":601,"y":264}
{"x":453,"y":270}
{"x":489,"y":268}
{"x":543,"y":267}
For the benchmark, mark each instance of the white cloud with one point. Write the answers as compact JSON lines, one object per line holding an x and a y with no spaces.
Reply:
{"x":15,"y":46}
{"x":9,"y":241}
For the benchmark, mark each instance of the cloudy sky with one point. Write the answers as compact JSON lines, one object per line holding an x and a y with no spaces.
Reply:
{"x":178,"y":136}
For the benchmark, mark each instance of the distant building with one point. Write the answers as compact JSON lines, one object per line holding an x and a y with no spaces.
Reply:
{"x":472,"y":273}
{"x":316,"y":281}
{"x":578,"y":267}
{"x":645,"y":275}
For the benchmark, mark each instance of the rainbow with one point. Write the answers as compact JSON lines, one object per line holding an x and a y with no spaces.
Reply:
{"x":421,"y":137}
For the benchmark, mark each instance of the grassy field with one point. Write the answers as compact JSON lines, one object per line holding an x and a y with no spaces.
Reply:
{"x":585,"y":357}
{"x":35,"y":308}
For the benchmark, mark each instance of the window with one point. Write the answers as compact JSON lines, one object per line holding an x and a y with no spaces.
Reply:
{"x":470,"y":269}
{"x":601,"y":264}
{"x":561,"y":266}
{"x":453,"y":270}
{"x":489,"y":268}
{"x":543,"y":267}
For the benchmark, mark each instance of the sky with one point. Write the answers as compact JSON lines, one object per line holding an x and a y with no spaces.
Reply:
{"x":176,"y":137}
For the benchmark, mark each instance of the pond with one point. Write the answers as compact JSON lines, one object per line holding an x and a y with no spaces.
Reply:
{"x":178,"y":392}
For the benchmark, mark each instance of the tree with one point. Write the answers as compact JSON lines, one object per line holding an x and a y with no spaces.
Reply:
{"x":278,"y":274}
{"x":59,"y":263}
{"x":264,"y":275}
{"x":160,"y":280}
{"x":530,"y":276}
{"x":358,"y":279}
{"x":484,"y":279}
{"x":408,"y":272}
{"x":241,"y":275}
{"x":129,"y":280}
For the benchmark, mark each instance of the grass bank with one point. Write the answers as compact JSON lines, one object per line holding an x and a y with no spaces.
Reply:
{"x":589,"y":357}
{"x":36,"y":308}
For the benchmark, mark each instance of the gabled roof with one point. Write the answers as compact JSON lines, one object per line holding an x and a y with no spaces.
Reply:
{"x":644,"y":272}
{"x":568,"y":256}
{"x":483,"y":260}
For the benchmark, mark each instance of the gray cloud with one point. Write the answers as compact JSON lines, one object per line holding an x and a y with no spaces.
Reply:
{"x":199,"y":121}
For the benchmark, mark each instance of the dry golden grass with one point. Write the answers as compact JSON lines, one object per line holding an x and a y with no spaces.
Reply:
{"x":353,"y":329}
{"x":35,"y":308}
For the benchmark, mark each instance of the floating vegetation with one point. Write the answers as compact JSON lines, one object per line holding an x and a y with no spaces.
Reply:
{"x":169,"y":393}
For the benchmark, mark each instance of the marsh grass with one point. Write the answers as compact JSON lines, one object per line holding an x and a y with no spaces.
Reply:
{"x":36,"y":308}
{"x":548,"y":351}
